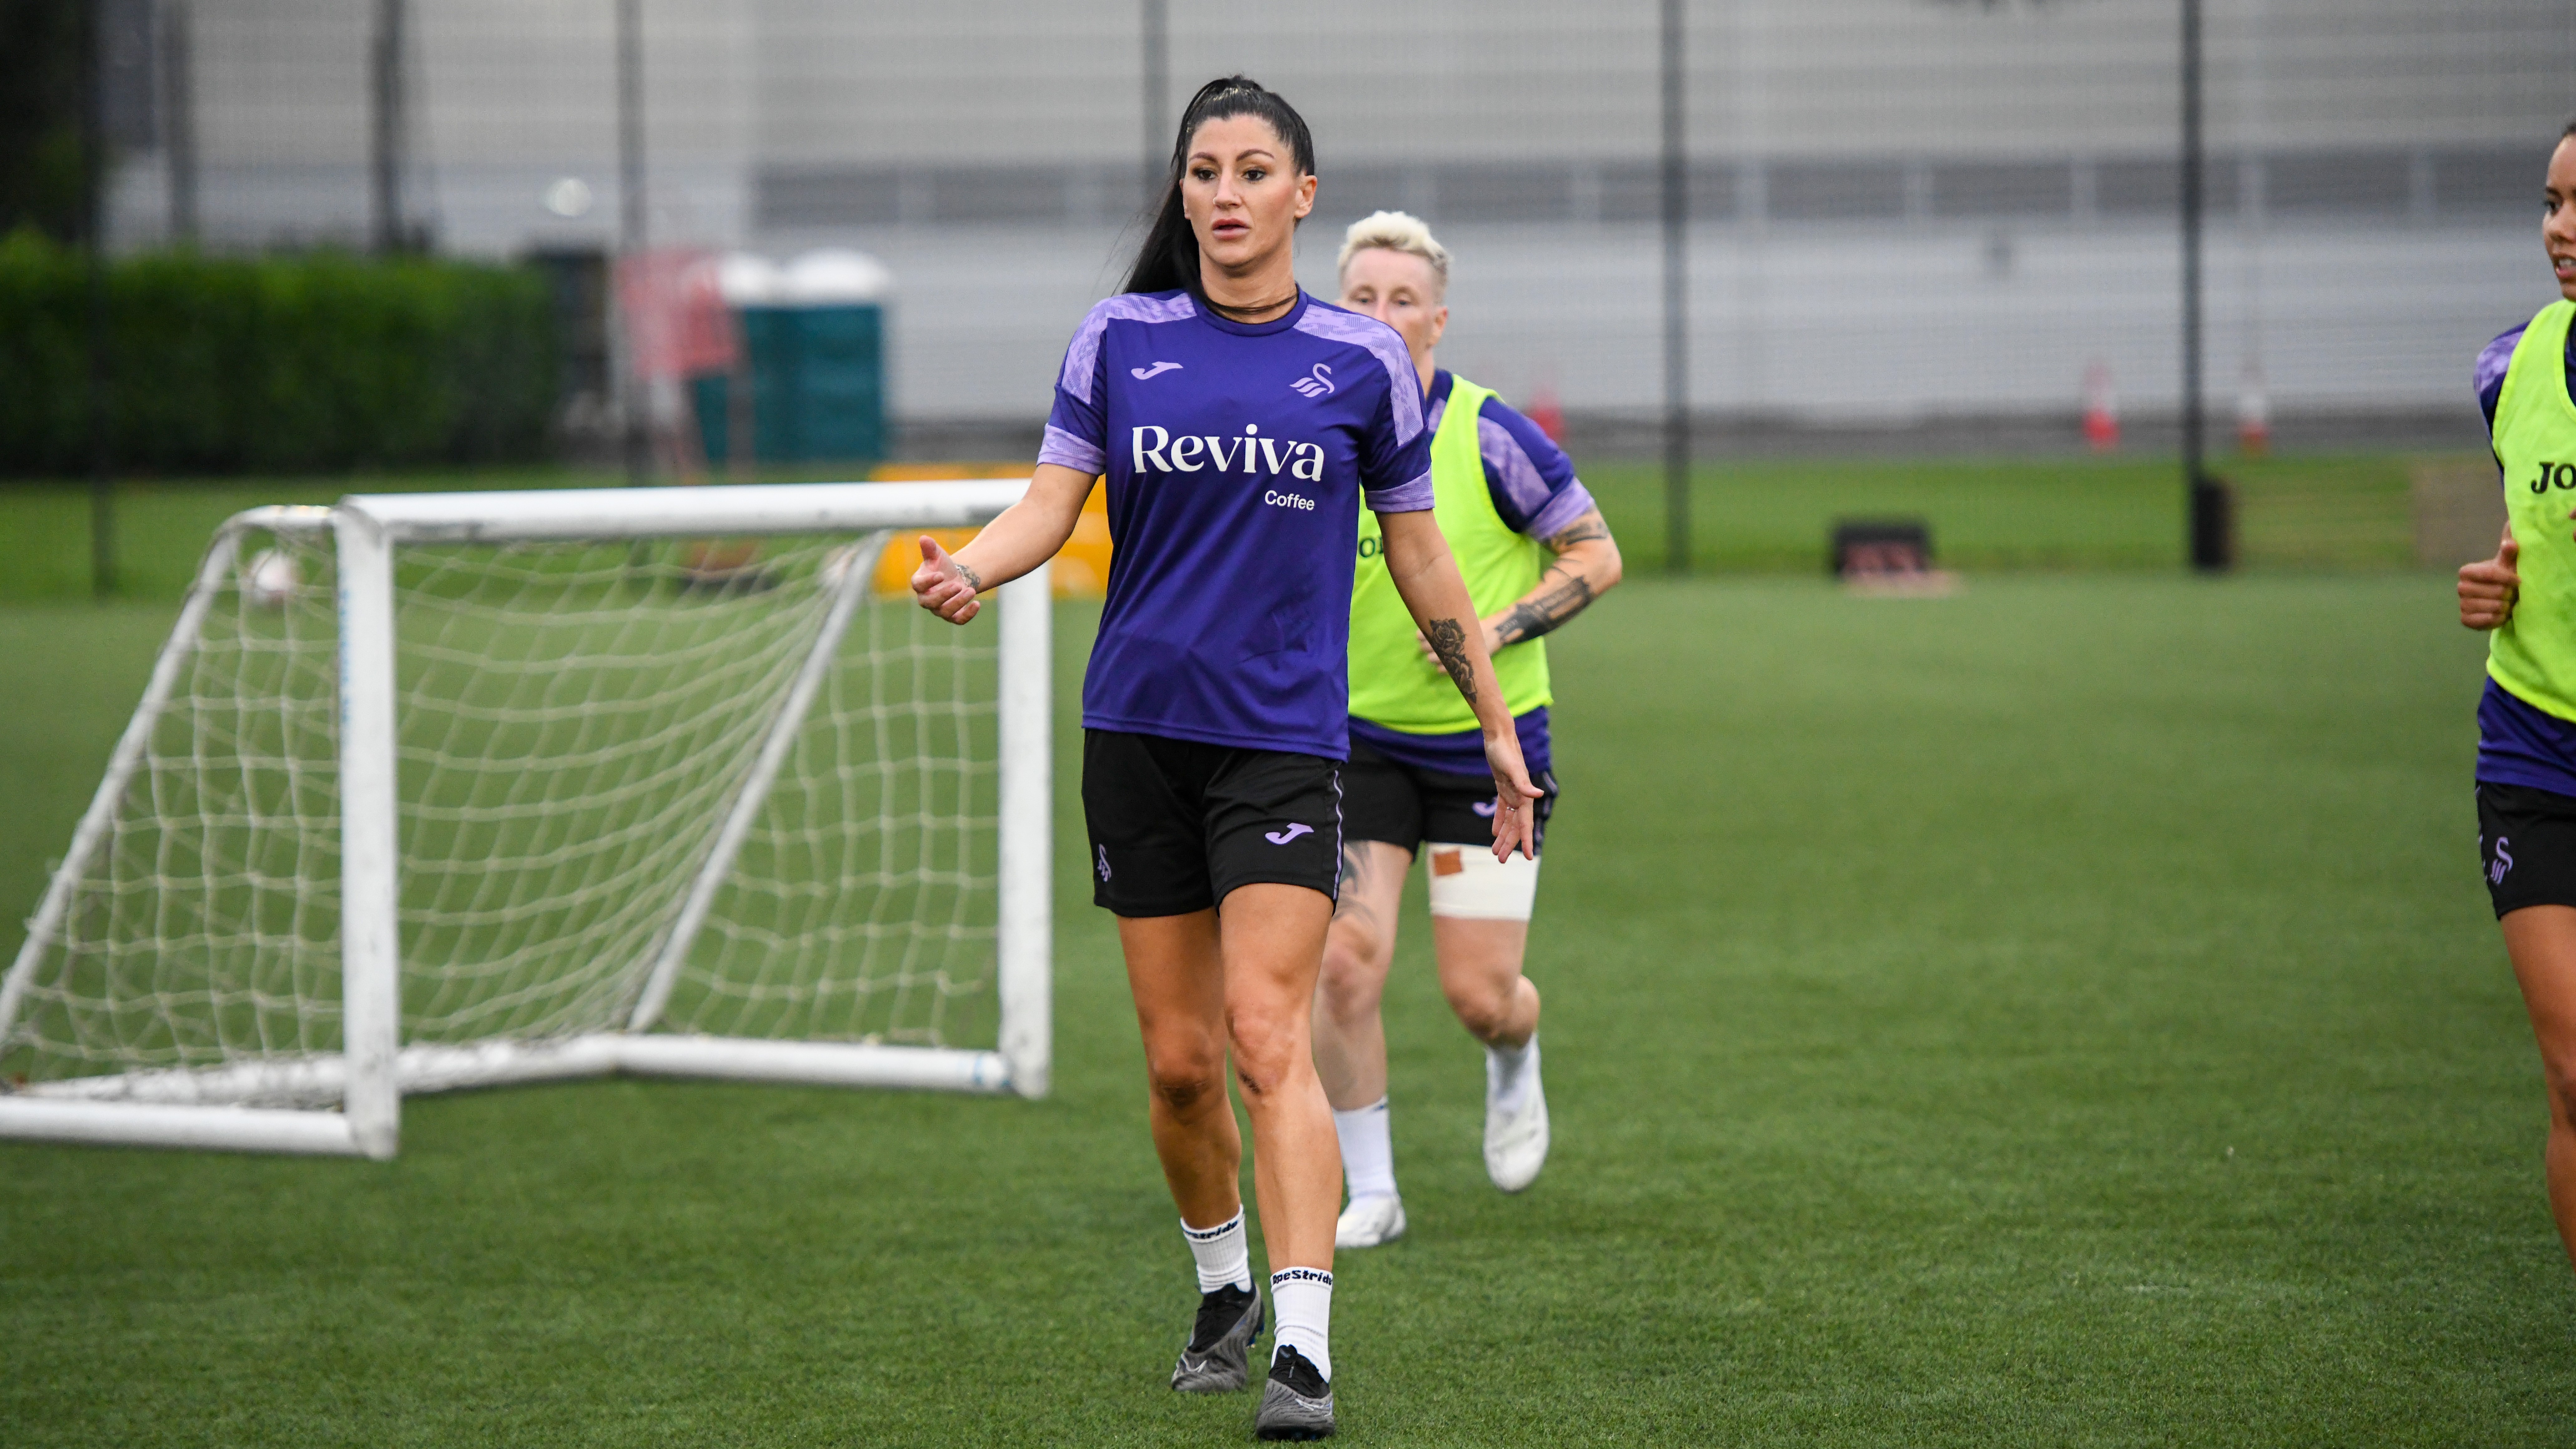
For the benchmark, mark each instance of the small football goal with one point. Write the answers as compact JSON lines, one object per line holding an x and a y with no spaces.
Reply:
{"x":433,"y":791}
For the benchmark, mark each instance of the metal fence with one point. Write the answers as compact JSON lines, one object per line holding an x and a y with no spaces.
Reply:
{"x":1918,"y":213}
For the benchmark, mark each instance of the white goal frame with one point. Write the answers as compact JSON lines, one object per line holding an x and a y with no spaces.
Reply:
{"x":204,"y":1107}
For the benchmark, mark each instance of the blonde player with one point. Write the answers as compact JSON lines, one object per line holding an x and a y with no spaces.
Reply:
{"x":1534,"y":552}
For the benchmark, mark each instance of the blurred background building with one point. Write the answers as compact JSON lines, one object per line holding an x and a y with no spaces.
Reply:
{"x":1908,"y":216}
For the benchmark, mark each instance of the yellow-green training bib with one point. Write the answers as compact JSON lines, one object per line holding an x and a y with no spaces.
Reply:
{"x":2534,"y":654}
{"x":1394,"y":684}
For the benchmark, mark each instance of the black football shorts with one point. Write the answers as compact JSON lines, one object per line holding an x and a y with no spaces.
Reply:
{"x":1384,"y":800}
{"x":1177,"y":825}
{"x":2527,"y":846}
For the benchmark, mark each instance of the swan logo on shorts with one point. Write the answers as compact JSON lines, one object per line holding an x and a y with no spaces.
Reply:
{"x":1104,"y":865}
{"x":1295,"y":829}
{"x":1314,"y":384}
{"x":2502,"y":865}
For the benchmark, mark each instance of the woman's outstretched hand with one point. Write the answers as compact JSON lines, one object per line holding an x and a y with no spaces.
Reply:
{"x":1515,"y":799}
{"x":946,"y":587}
{"x":2489,"y":587}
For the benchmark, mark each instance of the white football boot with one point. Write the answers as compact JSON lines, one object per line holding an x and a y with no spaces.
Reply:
{"x":1515,"y":1141}
{"x":1369,"y":1221}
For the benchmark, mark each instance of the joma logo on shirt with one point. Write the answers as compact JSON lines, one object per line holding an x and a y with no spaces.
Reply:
{"x":1250,"y":453}
{"x":2554,"y":475}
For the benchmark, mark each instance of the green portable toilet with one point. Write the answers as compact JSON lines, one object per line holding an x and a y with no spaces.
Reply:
{"x":815,"y":334}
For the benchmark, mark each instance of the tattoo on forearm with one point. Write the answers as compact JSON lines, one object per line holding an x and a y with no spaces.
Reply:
{"x":973,"y":579}
{"x":1544,"y":610}
{"x":1449,"y":642}
{"x":1582,"y":530}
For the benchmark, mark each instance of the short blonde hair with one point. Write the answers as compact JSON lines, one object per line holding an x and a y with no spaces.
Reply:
{"x":1396,"y":231}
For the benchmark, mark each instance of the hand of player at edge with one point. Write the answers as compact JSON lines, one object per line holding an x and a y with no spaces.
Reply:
{"x":1515,"y":799}
{"x":2490,"y":587}
{"x":943,"y":585}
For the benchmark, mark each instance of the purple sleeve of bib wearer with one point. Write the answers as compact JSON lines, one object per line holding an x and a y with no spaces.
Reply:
{"x":2496,"y":357}
{"x":1529,"y":477}
{"x":2489,"y":373}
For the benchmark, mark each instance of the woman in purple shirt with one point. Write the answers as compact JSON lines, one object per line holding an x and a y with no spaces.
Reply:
{"x":1240,"y":426}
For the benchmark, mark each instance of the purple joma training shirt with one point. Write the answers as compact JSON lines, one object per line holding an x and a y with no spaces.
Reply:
{"x":1236,"y":455}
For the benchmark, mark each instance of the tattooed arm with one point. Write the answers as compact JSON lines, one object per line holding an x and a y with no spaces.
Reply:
{"x":1424,"y":573}
{"x":1585,"y":568}
{"x":1025,"y":535}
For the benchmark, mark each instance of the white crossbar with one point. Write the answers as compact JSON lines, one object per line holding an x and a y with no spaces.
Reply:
{"x":733,"y":508}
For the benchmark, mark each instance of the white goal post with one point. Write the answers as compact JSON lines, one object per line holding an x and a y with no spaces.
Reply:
{"x":435,"y":791}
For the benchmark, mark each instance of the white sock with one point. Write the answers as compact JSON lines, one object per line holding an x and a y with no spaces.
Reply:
{"x":1510,"y":1073}
{"x":1301,"y":1299}
{"x":1368,"y":1152}
{"x":1222,"y":1256}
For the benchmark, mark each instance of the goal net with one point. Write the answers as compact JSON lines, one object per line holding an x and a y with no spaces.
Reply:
{"x":437,"y":791}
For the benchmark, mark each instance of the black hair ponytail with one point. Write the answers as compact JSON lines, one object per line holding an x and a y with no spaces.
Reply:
{"x":1169,"y":258}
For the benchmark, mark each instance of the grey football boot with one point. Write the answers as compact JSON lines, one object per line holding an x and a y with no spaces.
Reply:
{"x":1213,"y":1360}
{"x":1296,"y":1403}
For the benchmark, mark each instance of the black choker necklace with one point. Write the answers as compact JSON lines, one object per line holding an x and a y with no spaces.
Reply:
{"x":1256,"y":307}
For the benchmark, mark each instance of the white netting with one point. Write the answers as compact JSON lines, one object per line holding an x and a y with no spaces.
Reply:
{"x":575,"y":721}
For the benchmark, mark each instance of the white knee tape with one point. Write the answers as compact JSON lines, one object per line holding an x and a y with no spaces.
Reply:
{"x":1467,"y":883}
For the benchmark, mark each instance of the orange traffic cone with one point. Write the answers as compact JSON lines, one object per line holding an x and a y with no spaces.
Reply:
{"x":2101,"y":409}
{"x":2253,"y":414}
{"x":1545,"y":411}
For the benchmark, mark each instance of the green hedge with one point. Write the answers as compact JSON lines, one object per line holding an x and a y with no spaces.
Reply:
{"x":304,"y":363}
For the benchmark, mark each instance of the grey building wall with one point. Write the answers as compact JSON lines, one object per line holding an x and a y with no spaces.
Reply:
{"x":1902,"y":208}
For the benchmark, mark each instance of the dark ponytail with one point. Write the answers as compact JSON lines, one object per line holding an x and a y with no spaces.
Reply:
{"x":1169,"y":258}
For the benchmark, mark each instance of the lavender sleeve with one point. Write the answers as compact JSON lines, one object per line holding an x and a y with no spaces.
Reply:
{"x":1395,"y":477}
{"x":1077,"y":430}
{"x":1395,"y":468}
{"x":1527,"y":475}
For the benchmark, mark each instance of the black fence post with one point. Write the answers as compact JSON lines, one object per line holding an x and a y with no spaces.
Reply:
{"x":385,"y":159}
{"x":1676,"y":179}
{"x":630,"y":230}
{"x":179,"y":118}
{"x":102,"y":463}
{"x":2211,"y":532}
{"x":1156,"y":25}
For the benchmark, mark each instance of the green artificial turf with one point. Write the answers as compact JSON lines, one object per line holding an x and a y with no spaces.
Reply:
{"x":2060,"y":1014}
{"x":160,"y":527}
{"x":1773,"y":515}
{"x":2337,"y":511}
